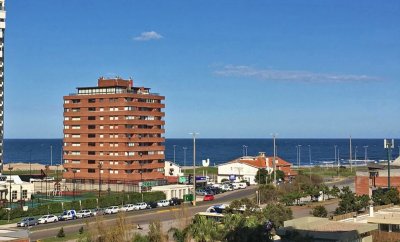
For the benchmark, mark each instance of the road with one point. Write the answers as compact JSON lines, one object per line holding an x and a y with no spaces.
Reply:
{"x":138,"y":217}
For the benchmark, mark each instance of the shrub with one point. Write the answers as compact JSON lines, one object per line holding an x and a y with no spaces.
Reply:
{"x":61,"y":233}
{"x":81,"y":230}
{"x":320,"y":211}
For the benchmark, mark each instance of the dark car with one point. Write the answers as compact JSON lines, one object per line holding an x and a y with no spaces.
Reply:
{"x":25,"y":222}
{"x":151,"y":205}
{"x":175,"y":201}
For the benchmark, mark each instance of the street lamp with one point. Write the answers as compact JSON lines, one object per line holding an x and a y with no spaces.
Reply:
{"x":389,"y":145}
{"x":47,"y":173}
{"x":109,"y":174}
{"x":100,"y":166}
{"x":244,"y":147}
{"x":174,"y":152}
{"x":274,"y":137}
{"x":299,"y":155}
{"x":74,"y":185}
{"x":194,"y":167}
{"x":365,"y":154}
{"x":10,"y":168}
{"x":184,"y":156}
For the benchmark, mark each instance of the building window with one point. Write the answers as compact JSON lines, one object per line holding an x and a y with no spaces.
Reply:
{"x":91,"y":170}
{"x":91,"y":126}
{"x":76,"y":136}
{"x":91,"y":135}
{"x":91,"y":152}
{"x":92,"y":100}
{"x":24,"y":194}
{"x":91,"y":162}
{"x":91,"y":118}
{"x":14,"y":195}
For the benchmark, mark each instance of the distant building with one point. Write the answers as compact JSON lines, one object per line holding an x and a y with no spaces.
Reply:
{"x":172,"y":169}
{"x":245,"y":168}
{"x":19,"y":189}
{"x":366,"y":182}
{"x":114,"y":132}
{"x":2,"y":30}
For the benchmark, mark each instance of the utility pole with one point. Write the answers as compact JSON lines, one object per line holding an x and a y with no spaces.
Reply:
{"x":336,"y":161}
{"x":299,"y":155}
{"x":51,"y":155}
{"x":194,"y":167}
{"x":184,"y":156}
{"x":274,"y":137}
{"x":389,"y":145}
{"x":309,"y":154}
{"x":365,"y":154}
{"x":351,"y":158}
{"x":174,"y":152}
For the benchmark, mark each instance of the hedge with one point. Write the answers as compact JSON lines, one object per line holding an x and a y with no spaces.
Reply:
{"x":104,"y":201}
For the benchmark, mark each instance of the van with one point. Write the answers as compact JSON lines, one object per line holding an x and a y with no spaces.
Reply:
{"x":67,"y":215}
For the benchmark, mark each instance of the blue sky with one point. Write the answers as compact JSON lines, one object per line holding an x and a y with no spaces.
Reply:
{"x":240,"y":69}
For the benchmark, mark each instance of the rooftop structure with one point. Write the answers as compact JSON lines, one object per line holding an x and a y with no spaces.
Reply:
{"x":113,"y":132}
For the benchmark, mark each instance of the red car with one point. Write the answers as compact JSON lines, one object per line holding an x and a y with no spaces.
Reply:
{"x":208,"y":197}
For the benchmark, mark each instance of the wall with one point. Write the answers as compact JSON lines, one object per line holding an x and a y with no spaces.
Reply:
{"x":240,"y":170}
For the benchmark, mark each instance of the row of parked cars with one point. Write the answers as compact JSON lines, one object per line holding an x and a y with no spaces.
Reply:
{"x":85,"y":213}
{"x":214,"y":189}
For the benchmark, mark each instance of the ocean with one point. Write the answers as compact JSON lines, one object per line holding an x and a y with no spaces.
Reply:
{"x":47,"y":151}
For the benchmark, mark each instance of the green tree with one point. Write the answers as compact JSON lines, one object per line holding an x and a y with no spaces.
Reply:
{"x":320,"y":211}
{"x":277,"y":213}
{"x":203,"y":229}
{"x":384,"y":197}
{"x":179,"y":235}
{"x":261,"y":176}
{"x":268,"y":193}
{"x":335,"y":191}
{"x":155,"y":233}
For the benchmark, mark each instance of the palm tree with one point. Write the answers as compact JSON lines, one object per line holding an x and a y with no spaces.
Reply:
{"x":203,"y":229}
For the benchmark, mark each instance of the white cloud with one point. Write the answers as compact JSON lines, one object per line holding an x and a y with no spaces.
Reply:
{"x":291,"y":76}
{"x":146,"y":36}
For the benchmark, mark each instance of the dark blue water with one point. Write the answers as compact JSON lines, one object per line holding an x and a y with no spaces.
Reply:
{"x":217,"y":150}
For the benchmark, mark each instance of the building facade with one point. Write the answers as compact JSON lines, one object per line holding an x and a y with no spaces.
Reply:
{"x":2,"y":29}
{"x":114,"y":132}
{"x":245,"y":168}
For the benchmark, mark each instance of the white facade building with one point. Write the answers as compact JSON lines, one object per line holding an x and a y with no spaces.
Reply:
{"x":20,"y":190}
{"x":239,"y":171}
{"x":172,"y":169}
{"x":174,"y":190}
{"x":2,"y":29}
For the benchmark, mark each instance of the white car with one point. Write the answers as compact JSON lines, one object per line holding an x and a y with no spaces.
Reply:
{"x":84,"y":213}
{"x":163,"y":203}
{"x":127,"y":208}
{"x":242,"y":185}
{"x":111,"y":210}
{"x":226,"y":187}
{"x":140,"y":206}
{"x":47,"y":219}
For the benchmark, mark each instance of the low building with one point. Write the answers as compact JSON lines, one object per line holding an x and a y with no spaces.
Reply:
{"x":20,"y":190}
{"x":323,"y":229}
{"x":172,"y":169}
{"x":245,"y":168}
{"x":377,"y":177}
{"x":174,"y":190}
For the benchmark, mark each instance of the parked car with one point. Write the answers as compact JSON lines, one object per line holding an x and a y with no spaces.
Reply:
{"x":175,"y":201}
{"x":140,"y":206}
{"x":111,"y":210}
{"x":242,"y":185}
{"x":201,"y":192}
{"x":208,"y":197}
{"x":152,"y":205}
{"x":127,"y":208}
{"x":97,"y":211}
{"x":67,"y":215}
{"x":226,"y":187}
{"x":25,"y":222}
{"x":47,"y":219}
{"x":163,"y":203}
{"x":84,"y":213}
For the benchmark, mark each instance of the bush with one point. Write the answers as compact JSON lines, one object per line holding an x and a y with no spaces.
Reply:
{"x":61,"y":233}
{"x":81,"y":230}
{"x":320,"y":211}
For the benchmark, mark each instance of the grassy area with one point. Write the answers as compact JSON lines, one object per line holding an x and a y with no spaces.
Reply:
{"x":33,"y":172}
{"x":331,"y":171}
{"x":66,"y":238}
{"x":12,"y":221}
{"x":199,"y":171}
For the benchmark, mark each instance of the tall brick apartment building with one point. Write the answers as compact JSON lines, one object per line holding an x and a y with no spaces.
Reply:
{"x":114,"y":132}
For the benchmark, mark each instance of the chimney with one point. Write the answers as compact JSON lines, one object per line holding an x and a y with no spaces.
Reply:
{"x":371,"y":210}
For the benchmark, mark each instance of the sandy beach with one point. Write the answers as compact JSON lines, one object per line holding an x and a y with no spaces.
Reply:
{"x":34,"y":166}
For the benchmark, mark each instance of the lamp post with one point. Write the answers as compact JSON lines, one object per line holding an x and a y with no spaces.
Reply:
{"x":274,"y":138}
{"x":47,"y":172}
{"x":51,"y":155}
{"x":174,"y":152}
{"x":184,"y":156}
{"x":365,"y":153}
{"x":10,"y":168}
{"x":109,"y":174}
{"x":30,"y":163}
{"x":336,"y":160}
{"x":309,"y":156}
{"x":389,"y":145}
{"x":194,"y":167}
{"x":100,"y":166}
{"x":244,"y":147}
{"x":299,"y":155}
{"x":74,"y":185}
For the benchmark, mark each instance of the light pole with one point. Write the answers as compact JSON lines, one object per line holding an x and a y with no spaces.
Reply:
{"x":244,"y":150}
{"x":100,"y":166}
{"x":309,"y":155}
{"x":10,"y":168}
{"x":194,"y":167}
{"x":51,"y":155}
{"x":351,"y":157}
{"x":389,"y":145}
{"x":47,"y":173}
{"x":74,"y":185}
{"x":336,"y":160}
{"x":299,"y":155}
{"x":365,"y":154}
{"x":274,"y":138}
{"x":184,"y":156}
{"x":30,"y":164}
{"x":109,"y":174}
{"x":174,"y":152}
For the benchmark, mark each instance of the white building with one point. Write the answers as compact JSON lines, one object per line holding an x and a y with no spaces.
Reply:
{"x":174,"y":190}
{"x":20,"y":190}
{"x":245,"y":168}
{"x":172,"y":169}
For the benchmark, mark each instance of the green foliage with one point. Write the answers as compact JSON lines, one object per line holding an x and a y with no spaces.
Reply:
{"x":179,"y":235}
{"x":261,"y":176}
{"x":350,"y":202}
{"x":155,"y":233}
{"x":203,"y":229}
{"x":237,"y":227}
{"x":320,"y":211}
{"x":268,"y":193}
{"x":277,"y":213}
{"x":61,"y":233}
{"x":384,"y":197}
{"x":140,"y":238}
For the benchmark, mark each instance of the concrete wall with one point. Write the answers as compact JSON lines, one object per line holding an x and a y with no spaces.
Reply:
{"x":362,"y":181}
